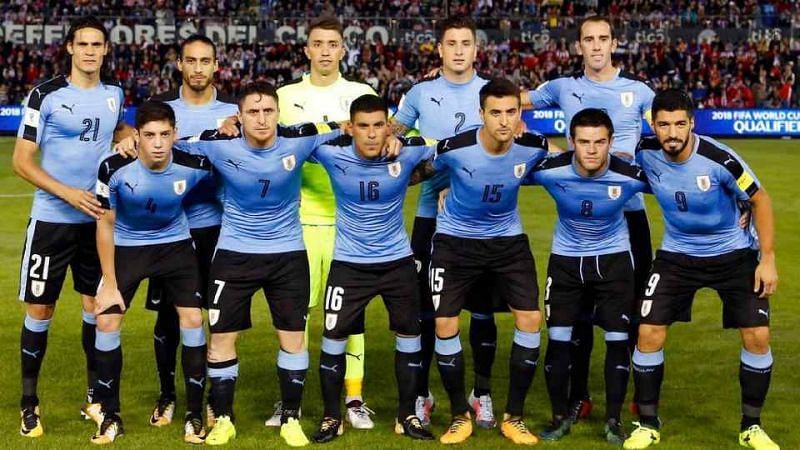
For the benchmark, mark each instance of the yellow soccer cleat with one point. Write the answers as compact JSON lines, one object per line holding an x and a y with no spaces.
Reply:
{"x":292,"y":433}
{"x":755,"y":437}
{"x":93,"y":412}
{"x":460,"y":430}
{"x":515,"y":430}
{"x":642,"y":437}
{"x":109,"y":430}
{"x":222,"y":433}
{"x":31,"y":423}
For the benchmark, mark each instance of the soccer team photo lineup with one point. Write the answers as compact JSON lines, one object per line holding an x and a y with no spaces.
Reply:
{"x":205,"y":188}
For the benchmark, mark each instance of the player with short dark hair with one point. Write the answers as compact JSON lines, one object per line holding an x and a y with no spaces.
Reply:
{"x":627,"y":100}
{"x":372,"y":256}
{"x":479,"y":233}
{"x":591,"y":266}
{"x":145,"y":234}
{"x":698,"y":183}
{"x":72,"y":119}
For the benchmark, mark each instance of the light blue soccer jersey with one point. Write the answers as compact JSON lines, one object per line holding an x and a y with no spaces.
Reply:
{"x":262,"y":186}
{"x":699,"y":196}
{"x":439,"y":109}
{"x":203,"y":208}
{"x":625,"y":98}
{"x":590,"y":210}
{"x":74,"y":128}
{"x":482,"y":202}
{"x":149,"y":204}
{"x":369,"y":199}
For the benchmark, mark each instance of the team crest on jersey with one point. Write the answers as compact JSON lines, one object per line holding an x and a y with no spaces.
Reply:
{"x":626,"y":98}
{"x":213,"y":316}
{"x":519,"y":170}
{"x":112,"y":104}
{"x":704,"y":182}
{"x":179,"y":186}
{"x":647,"y":305}
{"x":330,"y":321}
{"x":289,"y":162}
{"x":37,"y":288}
{"x":395,"y":168}
{"x":614,"y":192}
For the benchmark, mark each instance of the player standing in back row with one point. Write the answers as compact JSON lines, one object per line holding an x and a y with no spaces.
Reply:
{"x":627,"y":99}
{"x":324,"y":95}
{"x":72,"y":120}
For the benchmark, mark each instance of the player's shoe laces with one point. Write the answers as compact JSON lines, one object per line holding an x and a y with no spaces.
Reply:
{"x":163,"y":412}
{"x":292,"y":433}
{"x":329,"y":429}
{"x":459,"y":430}
{"x":412,"y":427}
{"x":109,"y":430}
{"x":615,"y":434}
{"x":275,"y":419}
{"x":642,"y":437}
{"x":193,"y":431}
{"x":556,"y":429}
{"x":424,"y":407}
{"x":93,"y":412}
{"x":31,"y":423}
{"x":580,"y":409}
{"x":484,"y":410}
{"x":358,"y":415}
{"x":222,"y":433}
{"x":755,"y":437}
{"x":516,"y":431}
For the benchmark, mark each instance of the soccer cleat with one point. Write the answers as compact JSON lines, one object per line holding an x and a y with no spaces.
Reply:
{"x":93,"y":412}
{"x":275,"y":419}
{"x":424,"y":407}
{"x":484,"y":410}
{"x":329,"y":429}
{"x":358,"y":415}
{"x":163,"y":412}
{"x":109,"y":430}
{"x":193,"y":431}
{"x":755,"y":437}
{"x":642,"y":437}
{"x":515,"y":430}
{"x":222,"y":433}
{"x":292,"y":433}
{"x":580,"y":409}
{"x":459,"y":430}
{"x":412,"y":427}
{"x":615,"y":434}
{"x":211,"y":417}
{"x":31,"y":423}
{"x":556,"y":429}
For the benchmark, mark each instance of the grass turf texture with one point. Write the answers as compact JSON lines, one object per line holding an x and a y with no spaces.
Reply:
{"x":700,"y":399}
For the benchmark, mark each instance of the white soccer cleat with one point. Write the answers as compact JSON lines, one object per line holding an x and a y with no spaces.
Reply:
{"x":275,"y":419}
{"x":423,"y":408}
{"x":358,"y":416}
{"x":484,"y":410}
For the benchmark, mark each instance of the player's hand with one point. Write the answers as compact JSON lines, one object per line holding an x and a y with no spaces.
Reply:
{"x":744,"y":219}
{"x":522,"y":128}
{"x":126,"y":147}
{"x":623,"y":155}
{"x":229,"y":126}
{"x":392,"y":147}
{"x":84,"y":201}
{"x":766,"y":276}
{"x":108,"y":296}
{"x":442,"y":195}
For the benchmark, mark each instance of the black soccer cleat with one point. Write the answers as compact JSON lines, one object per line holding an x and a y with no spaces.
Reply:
{"x":329,"y":429}
{"x":412,"y":427}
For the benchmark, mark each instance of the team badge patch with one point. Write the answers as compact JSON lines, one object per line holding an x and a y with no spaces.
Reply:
{"x":614,"y":192}
{"x":179,"y":186}
{"x":213,"y":316}
{"x":704,"y":182}
{"x":112,"y":104}
{"x":626,"y":98}
{"x":37,"y":288}
{"x":519,"y":170}
{"x":647,"y":305}
{"x":394,"y":169}
{"x":330,"y":321}
{"x":32,"y":117}
{"x":289,"y":162}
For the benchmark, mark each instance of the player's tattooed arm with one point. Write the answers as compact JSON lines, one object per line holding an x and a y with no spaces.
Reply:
{"x":766,"y":277}
{"x":108,"y":294}
{"x":398,"y":128}
{"x":124,"y":133}
{"x":525,"y":99}
{"x":422,"y":172}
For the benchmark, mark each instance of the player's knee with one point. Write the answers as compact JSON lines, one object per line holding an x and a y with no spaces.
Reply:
{"x":756,"y":339}
{"x":651,"y":337}
{"x":291,"y":341}
{"x":446,"y":327}
{"x":108,"y":323}
{"x":41,"y":312}
{"x":190,"y":317}
{"x":529,"y":321}
{"x":222,"y":347}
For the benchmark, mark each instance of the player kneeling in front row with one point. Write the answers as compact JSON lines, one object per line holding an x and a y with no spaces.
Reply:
{"x":697,"y":182}
{"x":144,"y":234}
{"x":590,"y":262}
{"x":372,"y":256}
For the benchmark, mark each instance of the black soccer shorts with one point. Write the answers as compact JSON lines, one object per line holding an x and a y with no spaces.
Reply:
{"x":675,"y":278}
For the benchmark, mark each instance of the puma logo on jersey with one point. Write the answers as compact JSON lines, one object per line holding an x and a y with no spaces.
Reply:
{"x":236,"y":164}
{"x":128,"y":185}
{"x":470,"y":172}
{"x":729,"y":160}
{"x":579,"y":97}
{"x":343,"y":169}
{"x":561,"y":186}
{"x":438,"y":102}
{"x":656,"y":174}
{"x":299,"y":106}
{"x":68,"y":108}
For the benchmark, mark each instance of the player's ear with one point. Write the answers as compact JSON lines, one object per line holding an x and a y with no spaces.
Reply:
{"x":614,"y":43}
{"x":70,"y":50}
{"x":578,"y":47}
{"x":305,"y":52}
{"x":216,"y":65}
{"x":439,"y":49}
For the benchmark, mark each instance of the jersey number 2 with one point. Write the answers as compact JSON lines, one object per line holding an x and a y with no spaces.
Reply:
{"x":90,"y":126}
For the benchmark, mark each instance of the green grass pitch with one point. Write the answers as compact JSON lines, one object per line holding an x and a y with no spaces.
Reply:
{"x":700,"y":400}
